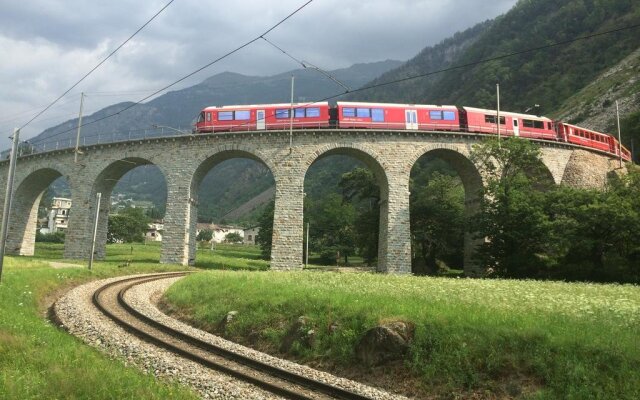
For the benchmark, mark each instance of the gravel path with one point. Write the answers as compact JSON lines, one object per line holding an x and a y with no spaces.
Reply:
{"x":78,"y":315}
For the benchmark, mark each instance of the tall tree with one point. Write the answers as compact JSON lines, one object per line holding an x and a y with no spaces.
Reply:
{"x":130,"y":225}
{"x":511,"y":217}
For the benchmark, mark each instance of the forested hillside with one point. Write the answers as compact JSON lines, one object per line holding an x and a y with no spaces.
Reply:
{"x":547,"y":77}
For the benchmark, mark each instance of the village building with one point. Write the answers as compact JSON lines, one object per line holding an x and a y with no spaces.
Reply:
{"x":58,"y":216}
{"x":250,"y":235}
{"x":220,"y":232}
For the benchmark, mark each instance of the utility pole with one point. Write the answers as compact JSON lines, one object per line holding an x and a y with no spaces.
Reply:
{"x":7,"y":196}
{"x":95,"y":229}
{"x":291,"y":119}
{"x":75,"y":157}
{"x":306,"y":253}
{"x":619,"y":140}
{"x":498,"y":111}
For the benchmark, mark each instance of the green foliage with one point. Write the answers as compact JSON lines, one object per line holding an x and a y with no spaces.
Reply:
{"x":233,"y":237}
{"x":128,"y":226}
{"x":265,"y":234}
{"x":630,"y":126}
{"x":333,"y":232}
{"x":511,"y":217}
{"x":205,"y":235}
{"x":437,"y":216}
{"x":536,"y":230}
{"x":55,"y":237}
{"x":361,"y":189}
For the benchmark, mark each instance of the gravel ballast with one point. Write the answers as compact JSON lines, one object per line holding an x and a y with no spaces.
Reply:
{"x":79,"y":316}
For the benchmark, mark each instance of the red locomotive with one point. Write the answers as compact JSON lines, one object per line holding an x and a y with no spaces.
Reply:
{"x":360,"y":115}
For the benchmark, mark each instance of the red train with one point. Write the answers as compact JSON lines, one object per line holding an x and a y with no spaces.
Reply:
{"x":349,"y":115}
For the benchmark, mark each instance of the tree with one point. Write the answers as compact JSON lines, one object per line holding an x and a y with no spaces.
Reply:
{"x":512,"y":218}
{"x":233,"y":237}
{"x":437,"y":222}
{"x":265,"y":234}
{"x":332,"y":228}
{"x":128,"y":226}
{"x":205,"y":235}
{"x":361,"y":188}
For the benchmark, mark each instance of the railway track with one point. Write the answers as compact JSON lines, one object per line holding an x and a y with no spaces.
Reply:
{"x":110,"y":300}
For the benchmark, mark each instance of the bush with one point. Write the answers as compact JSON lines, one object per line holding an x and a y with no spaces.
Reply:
{"x":55,"y":237}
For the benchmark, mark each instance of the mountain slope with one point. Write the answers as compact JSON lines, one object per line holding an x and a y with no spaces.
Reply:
{"x":547,"y":77}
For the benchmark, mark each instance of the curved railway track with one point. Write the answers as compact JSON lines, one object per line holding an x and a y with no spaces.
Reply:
{"x":110,"y":300}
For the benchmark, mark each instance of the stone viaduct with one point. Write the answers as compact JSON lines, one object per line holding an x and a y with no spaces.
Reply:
{"x":185,"y":160}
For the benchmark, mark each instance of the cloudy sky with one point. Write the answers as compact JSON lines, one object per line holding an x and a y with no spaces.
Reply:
{"x":47,"y":45}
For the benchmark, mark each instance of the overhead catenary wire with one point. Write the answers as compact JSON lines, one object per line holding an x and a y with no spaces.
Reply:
{"x":98,"y":65}
{"x":231,"y":52}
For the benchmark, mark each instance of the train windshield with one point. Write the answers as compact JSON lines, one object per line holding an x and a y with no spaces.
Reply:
{"x":201,"y":117}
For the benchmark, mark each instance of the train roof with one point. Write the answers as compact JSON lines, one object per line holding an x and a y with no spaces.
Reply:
{"x":283,"y":105}
{"x":507,"y":113}
{"x":586,"y":129}
{"x":365,"y":104}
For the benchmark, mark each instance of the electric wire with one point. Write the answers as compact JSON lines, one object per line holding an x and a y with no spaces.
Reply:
{"x":98,"y":65}
{"x":237,"y":49}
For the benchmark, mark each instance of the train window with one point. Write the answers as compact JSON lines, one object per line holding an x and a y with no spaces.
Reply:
{"x":363,"y":112}
{"x":243,"y":115}
{"x":538,"y":124}
{"x":435,"y":115}
{"x":348,"y":112}
{"x":377,"y":115}
{"x":298,"y":112}
{"x":491,"y":119}
{"x":225,"y":116}
{"x":451,"y":116}
{"x":201,"y":117}
{"x":282,"y":113}
{"x":313,"y":112}
{"x":208,"y":116}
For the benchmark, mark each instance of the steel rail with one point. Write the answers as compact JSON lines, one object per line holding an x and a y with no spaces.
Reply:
{"x":255,"y":365}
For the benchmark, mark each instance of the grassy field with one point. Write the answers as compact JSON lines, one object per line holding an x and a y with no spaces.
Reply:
{"x":473,"y":339}
{"x":39,"y":360}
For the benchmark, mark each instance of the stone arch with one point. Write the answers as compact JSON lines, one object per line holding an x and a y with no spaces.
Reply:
{"x":376,"y":164}
{"x":24,"y":209}
{"x":209,"y":160}
{"x":458,"y":157}
{"x":108,"y":175}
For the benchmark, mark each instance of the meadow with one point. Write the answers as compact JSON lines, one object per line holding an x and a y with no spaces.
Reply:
{"x":480,"y":339}
{"x":473,"y":338}
{"x":39,"y":360}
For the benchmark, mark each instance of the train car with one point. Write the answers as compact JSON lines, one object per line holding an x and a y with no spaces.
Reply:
{"x":397,"y":116}
{"x":480,"y":120}
{"x":261,"y":117}
{"x":589,"y":138}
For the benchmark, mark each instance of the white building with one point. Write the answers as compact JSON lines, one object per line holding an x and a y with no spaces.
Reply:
{"x":220,"y":232}
{"x":154,"y":232}
{"x":250,"y":235}
{"x":59,"y":215}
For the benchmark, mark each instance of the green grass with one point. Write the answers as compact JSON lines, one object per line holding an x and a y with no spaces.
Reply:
{"x":41,"y":361}
{"x":232,"y":257}
{"x":486,"y":338}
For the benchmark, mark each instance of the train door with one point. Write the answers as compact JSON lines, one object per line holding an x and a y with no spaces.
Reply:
{"x":260,"y":120}
{"x":411,"y":119}
{"x":516,"y":128}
